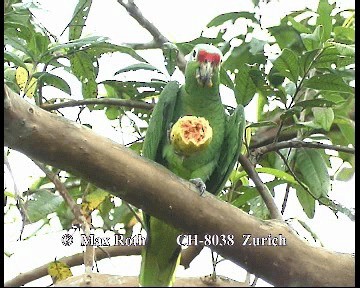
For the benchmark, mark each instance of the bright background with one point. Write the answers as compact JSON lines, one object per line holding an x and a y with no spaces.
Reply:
{"x":178,"y":21}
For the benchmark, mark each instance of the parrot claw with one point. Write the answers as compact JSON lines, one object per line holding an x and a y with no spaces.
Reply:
{"x":200,"y":185}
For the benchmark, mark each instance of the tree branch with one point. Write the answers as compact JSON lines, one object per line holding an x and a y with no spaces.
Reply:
{"x":151,"y":187}
{"x":75,"y":209}
{"x":71,"y":261}
{"x":265,"y":136}
{"x":99,"y":101}
{"x":143,"y":46}
{"x":159,"y":38}
{"x":258,"y":152}
{"x":261,"y":187}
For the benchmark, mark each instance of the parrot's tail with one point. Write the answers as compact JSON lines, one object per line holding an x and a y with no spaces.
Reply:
{"x":161,"y":255}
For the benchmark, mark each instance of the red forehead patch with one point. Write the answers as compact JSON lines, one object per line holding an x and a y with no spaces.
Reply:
{"x":204,"y":56}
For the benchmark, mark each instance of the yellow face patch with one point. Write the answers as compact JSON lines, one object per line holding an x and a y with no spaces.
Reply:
{"x":190,"y":134}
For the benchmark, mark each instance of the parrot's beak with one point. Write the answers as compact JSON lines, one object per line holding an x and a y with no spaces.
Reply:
{"x":204,"y":74}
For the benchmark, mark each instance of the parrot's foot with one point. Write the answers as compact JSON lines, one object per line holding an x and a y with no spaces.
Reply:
{"x":200,"y":185}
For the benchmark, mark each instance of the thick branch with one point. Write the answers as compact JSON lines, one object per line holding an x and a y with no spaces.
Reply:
{"x":149,"y":186}
{"x":99,"y":101}
{"x":100,"y":253}
{"x":159,"y":38}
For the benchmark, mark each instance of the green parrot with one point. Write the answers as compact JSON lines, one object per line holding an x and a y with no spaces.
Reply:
{"x":191,"y":134}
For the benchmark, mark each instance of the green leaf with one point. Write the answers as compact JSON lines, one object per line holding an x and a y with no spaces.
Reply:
{"x":325,"y":19}
{"x":17,"y":44}
{"x":319,"y":102}
{"x":120,"y":214}
{"x":112,"y":112}
{"x":225,"y":79}
{"x":275,"y":78}
{"x":138,"y":66}
{"x":306,"y":124}
{"x":43,"y":203}
{"x":90,"y":41}
{"x":38,"y":45}
{"x":263,"y":124}
{"x":345,"y":174}
{"x":257,"y":46}
{"x":287,"y":37}
{"x":324,"y":117}
{"x":96,"y":49}
{"x":288,"y":65}
{"x":330,"y":56}
{"x":343,"y":49}
{"x":79,"y":18}
{"x":313,"y":169}
{"x":258,"y":208}
{"x":53,"y":80}
{"x":132,"y":89}
{"x":246,"y":53}
{"x":347,"y":129}
{"x":83,"y":69}
{"x":346,"y":34}
{"x":65,"y":215}
{"x":245,"y":195}
{"x":306,"y":61}
{"x":278,"y":174}
{"x":231,"y":16}
{"x":313,"y":41}
{"x":245,"y":88}
{"x":170,"y":52}
{"x":328,"y":82}
{"x":11,"y":57}
{"x":298,"y":25}
{"x":307,"y":201}
{"x":290,"y":112}
{"x":186,"y":47}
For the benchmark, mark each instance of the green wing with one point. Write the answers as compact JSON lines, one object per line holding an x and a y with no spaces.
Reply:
{"x":160,"y":122}
{"x":161,"y":253}
{"x":230,"y":150}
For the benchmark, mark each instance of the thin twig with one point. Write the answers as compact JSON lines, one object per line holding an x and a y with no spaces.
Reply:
{"x":135,"y":214}
{"x":286,"y":196}
{"x":159,"y":38}
{"x":62,"y":190}
{"x":75,"y":209}
{"x":258,"y":152}
{"x":261,"y":187}
{"x":19,"y":202}
{"x":99,"y":101}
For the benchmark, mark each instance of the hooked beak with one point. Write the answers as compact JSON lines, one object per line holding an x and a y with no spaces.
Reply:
{"x":204,"y":74}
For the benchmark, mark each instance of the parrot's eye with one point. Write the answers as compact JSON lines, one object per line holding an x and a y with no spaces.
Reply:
{"x":194,"y":54}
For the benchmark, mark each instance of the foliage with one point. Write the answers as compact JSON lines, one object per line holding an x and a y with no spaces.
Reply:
{"x":305,"y":88}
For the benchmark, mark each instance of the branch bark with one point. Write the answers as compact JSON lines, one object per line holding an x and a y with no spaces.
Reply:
{"x":147,"y":185}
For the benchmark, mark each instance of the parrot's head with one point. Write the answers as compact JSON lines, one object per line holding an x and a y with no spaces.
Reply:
{"x":203,"y":65}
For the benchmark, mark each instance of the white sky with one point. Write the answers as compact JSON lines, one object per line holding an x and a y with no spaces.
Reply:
{"x":178,"y":21}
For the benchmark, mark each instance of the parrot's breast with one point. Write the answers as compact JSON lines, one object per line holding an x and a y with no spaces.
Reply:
{"x":195,"y":139}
